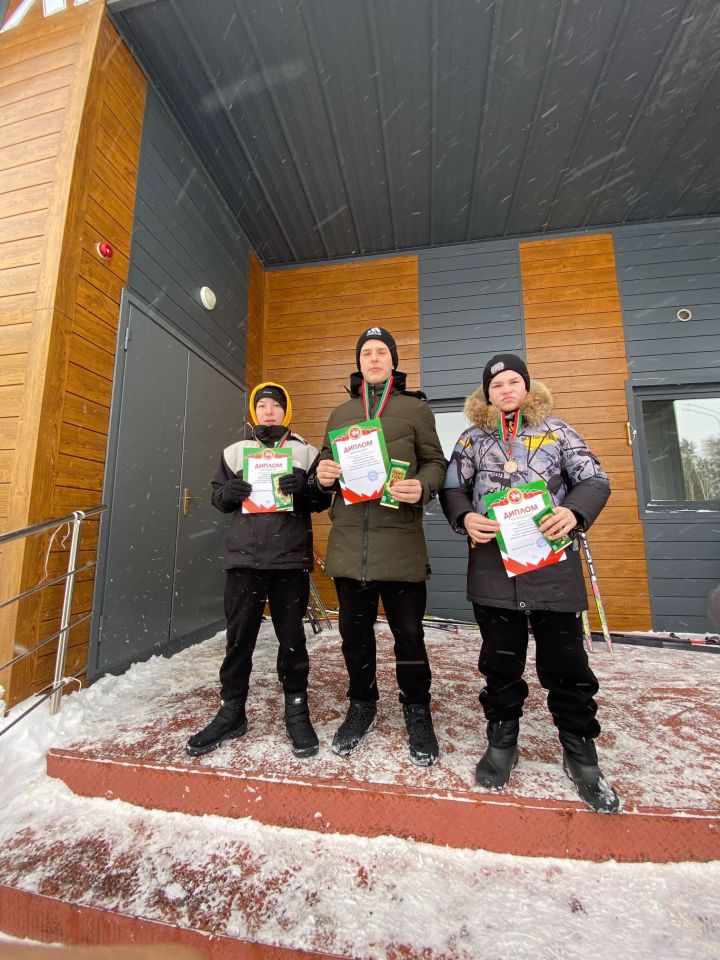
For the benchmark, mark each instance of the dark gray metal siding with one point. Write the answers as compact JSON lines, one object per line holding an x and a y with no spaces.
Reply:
{"x":184,"y":238}
{"x":683,"y":561}
{"x":470,"y":308}
{"x":662,"y":268}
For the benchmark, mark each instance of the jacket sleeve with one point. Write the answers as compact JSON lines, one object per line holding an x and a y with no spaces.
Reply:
{"x":325,"y":454}
{"x":316,"y":500}
{"x":222,"y":475}
{"x":456,"y":494}
{"x":430,"y":457}
{"x":589,"y":485}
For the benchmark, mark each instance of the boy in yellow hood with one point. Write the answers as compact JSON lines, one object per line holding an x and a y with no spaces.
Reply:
{"x":268,"y":557}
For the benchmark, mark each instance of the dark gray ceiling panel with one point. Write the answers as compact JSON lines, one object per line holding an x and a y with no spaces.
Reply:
{"x":335,"y":128}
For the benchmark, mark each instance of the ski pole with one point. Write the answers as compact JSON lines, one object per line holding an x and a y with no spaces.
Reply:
{"x":596,"y":591}
{"x":587,"y":634}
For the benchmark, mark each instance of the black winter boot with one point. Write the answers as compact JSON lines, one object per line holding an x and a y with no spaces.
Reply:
{"x":580,"y":763}
{"x":351,"y":732}
{"x":501,"y":757}
{"x":229,"y":722}
{"x":424,"y":749}
{"x":298,"y":726}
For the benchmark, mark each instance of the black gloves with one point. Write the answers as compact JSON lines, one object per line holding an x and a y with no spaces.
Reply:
{"x":293,"y":483}
{"x":235,"y":491}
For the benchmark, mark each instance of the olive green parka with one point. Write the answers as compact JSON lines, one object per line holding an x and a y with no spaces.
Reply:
{"x":370,"y":542}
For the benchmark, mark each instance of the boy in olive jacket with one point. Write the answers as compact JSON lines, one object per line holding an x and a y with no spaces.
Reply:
{"x":376,"y":553}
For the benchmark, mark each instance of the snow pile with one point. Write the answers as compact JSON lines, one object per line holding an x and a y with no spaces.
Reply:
{"x":351,"y":896}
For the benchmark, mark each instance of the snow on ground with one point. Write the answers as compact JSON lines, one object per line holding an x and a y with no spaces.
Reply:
{"x":356,"y":895}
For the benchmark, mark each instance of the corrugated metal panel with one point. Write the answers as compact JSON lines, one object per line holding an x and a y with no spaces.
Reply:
{"x":185,"y":238}
{"x":342,"y":127}
{"x":470,"y":308}
{"x":662,"y":268}
{"x":683,"y":568}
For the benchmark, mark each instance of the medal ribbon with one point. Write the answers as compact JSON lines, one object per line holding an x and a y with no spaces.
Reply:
{"x":507,"y":433}
{"x":383,"y":399}
{"x":279,"y":443}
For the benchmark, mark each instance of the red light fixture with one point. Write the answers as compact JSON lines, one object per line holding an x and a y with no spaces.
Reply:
{"x":105,"y":251}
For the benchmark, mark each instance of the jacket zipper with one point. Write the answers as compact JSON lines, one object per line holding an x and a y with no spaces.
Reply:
{"x":366,"y":518}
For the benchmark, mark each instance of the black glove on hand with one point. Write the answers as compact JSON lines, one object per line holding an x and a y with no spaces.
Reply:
{"x":235,"y":491}
{"x":293,"y":483}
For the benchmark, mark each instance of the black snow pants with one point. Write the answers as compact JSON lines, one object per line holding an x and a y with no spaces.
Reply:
{"x":404,"y":605}
{"x":246,"y":591}
{"x":560,"y":659}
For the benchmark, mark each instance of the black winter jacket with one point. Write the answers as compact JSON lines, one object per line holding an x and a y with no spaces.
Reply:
{"x":545,"y":448}
{"x":272,"y":541}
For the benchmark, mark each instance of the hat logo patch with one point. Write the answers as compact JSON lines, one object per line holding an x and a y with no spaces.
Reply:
{"x":373,"y":332}
{"x":497,"y":367}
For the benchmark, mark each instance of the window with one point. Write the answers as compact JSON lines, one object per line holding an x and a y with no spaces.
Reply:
{"x":681,"y":440}
{"x":450,"y":424}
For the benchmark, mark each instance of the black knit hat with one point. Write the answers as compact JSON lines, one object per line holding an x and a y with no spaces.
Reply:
{"x":274,"y":393}
{"x":377,"y":333}
{"x":499,"y":363}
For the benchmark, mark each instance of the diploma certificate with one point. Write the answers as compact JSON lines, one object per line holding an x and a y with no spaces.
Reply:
{"x":259,"y":465}
{"x":522,"y":547}
{"x":361,"y":452}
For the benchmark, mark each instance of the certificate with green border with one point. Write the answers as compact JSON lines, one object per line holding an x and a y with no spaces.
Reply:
{"x":259,"y":465}
{"x":362,"y":454}
{"x":522,"y":547}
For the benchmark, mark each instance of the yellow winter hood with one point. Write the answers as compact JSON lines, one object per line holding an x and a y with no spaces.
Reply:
{"x":288,"y":412}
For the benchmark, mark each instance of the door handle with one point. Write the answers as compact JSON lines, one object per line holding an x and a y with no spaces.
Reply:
{"x":186,"y":501}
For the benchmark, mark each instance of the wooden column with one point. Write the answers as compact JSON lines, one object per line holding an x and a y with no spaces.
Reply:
{"x":70,"y":159}
{"x":575,"y":345}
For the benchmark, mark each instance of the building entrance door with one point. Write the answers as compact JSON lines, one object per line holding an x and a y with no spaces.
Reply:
{"x":161,"y":549}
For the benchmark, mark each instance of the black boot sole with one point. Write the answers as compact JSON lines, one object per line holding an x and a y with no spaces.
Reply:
{"x":499,"y":785}
{"x":231,"y":735}
{"x":303,"y":753}
{"x":346,"y":752}
{"x":588,"y":801}
{"x":426,"y":761}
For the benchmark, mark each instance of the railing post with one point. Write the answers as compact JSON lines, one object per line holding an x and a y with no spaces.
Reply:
{"x":60,"y":657}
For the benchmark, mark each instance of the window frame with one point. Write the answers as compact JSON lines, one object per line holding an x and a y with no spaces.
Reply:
{"x":666,"y":509}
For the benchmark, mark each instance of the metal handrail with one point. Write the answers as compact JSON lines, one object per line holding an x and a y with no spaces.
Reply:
{"x":49,"y":524}
{"x":59,"y":682}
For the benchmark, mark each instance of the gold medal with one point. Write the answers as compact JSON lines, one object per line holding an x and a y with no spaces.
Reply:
{"x":510,"y":467}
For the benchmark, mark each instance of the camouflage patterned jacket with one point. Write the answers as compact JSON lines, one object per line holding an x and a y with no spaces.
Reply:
{"x":545,"y":448}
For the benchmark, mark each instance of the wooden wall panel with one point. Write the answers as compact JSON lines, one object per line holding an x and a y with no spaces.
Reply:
{"x":313,"y":318}
{"x":575,"y":345}
{"x":74,"y":99}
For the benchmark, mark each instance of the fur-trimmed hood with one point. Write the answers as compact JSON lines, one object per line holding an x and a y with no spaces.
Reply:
{"x":536,"y":406}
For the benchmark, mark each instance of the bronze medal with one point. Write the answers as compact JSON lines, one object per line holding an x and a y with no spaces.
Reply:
{"x":510,"y":467}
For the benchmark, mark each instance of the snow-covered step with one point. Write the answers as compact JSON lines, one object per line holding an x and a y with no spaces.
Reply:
{"x":94,"y":871}
{"x":657,"y":707}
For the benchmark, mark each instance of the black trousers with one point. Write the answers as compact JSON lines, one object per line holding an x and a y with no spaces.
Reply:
{"x":404,"y":605}
{"x":561,"y":662}
{"x":246,"y":591}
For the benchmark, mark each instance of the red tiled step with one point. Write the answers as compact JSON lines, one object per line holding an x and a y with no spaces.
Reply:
{"x":498,"y":823}
{"x":51,"y":920}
